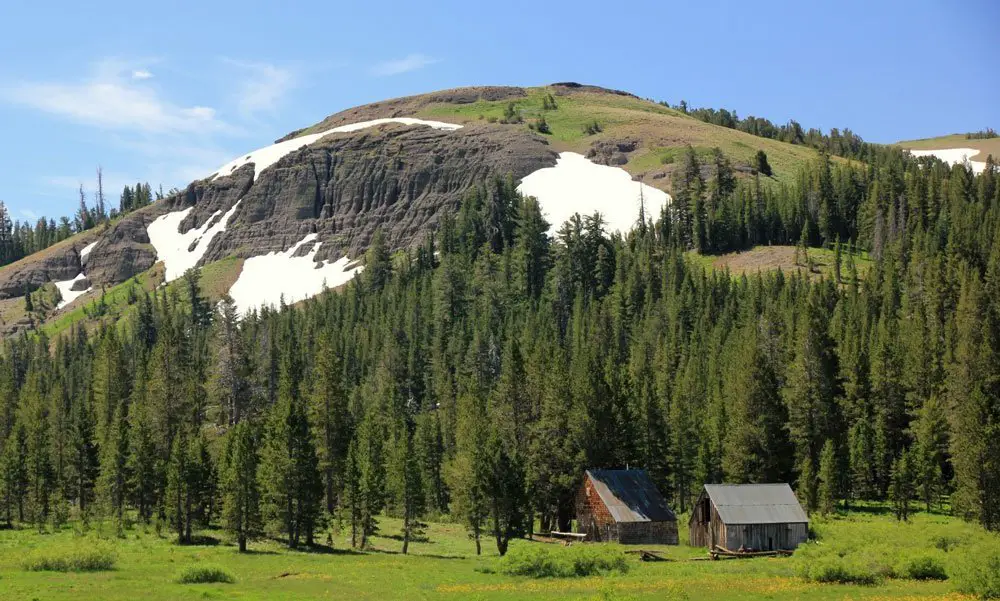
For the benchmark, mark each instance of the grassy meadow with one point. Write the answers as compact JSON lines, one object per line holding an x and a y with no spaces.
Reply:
{"x":876,"y":554}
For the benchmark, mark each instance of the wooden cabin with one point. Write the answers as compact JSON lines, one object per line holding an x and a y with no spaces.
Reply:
{"x":624,"y":506}
{"x":748,"y":517}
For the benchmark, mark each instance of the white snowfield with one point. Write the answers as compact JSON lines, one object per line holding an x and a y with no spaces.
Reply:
{"x":175,"y":249}
{"x":576,"y":185}
{"x":954,"y":156}
{"x":86,"y":250}
{"x":67,"y":293}
{"x":262,"y":158}
{"x":266,"y":279}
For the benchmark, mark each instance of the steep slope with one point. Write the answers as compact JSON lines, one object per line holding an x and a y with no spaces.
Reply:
{"x":306,"y":207}
{"x":956,"y":148}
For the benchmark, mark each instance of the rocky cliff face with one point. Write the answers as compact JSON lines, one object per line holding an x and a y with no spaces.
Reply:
{"x":346,"y":186}
{"x":399,"y":178}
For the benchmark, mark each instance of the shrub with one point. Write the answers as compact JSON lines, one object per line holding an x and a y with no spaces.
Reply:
{"x":205,"y":575}
{"x":840,"y":570}
{"x":977,"y":572}
{"x":923,"y":567}
{"x":563,"y":562}
{"x":78,"y":560}
{"x":592,"y":128}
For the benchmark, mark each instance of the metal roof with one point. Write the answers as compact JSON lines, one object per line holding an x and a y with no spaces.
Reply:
{"x":630,"y":496}
{"x":756,"y":503}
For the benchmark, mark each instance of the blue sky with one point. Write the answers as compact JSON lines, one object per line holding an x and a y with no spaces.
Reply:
{"x":166,"y":92}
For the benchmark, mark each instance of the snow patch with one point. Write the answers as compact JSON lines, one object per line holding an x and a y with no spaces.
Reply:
{"x":180,"y":252}
{"x":264,"y":280}
{"x":954,"y":156}
{"x":67,"y":293}
{"x":577,"y":185}
{"x":86,"y":250}
{"x":262,"y":158}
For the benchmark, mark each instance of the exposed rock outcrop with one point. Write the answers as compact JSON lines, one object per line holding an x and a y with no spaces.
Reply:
{"x":346,"y":186}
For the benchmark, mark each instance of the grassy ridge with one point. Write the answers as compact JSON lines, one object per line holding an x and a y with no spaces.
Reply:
{"x":444,"y":566}
{"x":985,"y":146}
{"x":662,"y":130}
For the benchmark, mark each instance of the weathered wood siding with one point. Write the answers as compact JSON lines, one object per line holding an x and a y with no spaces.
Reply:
{"x":765,"y":537}
{"x":647,"y":533}
{"x":594,"y":520}
{"x":706,"y":529}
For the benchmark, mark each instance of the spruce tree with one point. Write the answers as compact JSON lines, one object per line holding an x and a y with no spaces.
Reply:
{"x":112,"y":484}
{"x":901,"y":490}
{"x":828,"y":490}
{"x":241,"y":495}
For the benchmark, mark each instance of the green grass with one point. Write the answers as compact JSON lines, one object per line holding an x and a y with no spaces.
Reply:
{"x":205,"y":575}
{"x":216,"y":280}
{"x":770,"y":258}
{"x":444,"y":566}
{"x":664,"y":132}
{"x":91,"y":559}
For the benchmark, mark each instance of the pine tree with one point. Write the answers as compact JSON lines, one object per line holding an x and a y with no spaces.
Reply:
{"x":290,"y":481}
{"x":406,"y":487}
{"x":34,"y":415}
{"x":829,"y":482}
{"x":901,"y":490}
{"x":330,"y":418}
{"x":112,"y":484}
{"x":756,"y":448}
{"x":504,"y":486}
{"x":14,"y":474}
{"x":180,"y":491}
{"x":976,"y":410}
{"x":83,"y":455}
{"x":930,"y":452}
{"x":241,"y":495}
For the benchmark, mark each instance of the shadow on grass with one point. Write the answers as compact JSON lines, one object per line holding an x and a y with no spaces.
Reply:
{"x":423,"y":540}
{"x":428,"y":555}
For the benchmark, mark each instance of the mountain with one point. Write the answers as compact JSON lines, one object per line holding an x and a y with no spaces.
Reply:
{"x":284,"y":221}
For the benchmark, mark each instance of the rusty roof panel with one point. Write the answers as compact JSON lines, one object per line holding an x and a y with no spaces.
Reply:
{"x":630,"y":496}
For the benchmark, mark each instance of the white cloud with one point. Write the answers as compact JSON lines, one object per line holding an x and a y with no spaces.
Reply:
{"x":263,"y":86}
{"x":28,"y":213}
{"x":398,"y":66}
{"x":109,"y":100}
{"x":141,"y":74}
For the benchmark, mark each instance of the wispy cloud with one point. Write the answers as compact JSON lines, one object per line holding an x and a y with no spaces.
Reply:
{"x":399,"y":66}
{"x":109,"y":99}
{"x":261,"y":87}
{"x":28,"y":213}
{"x":141,"y":74}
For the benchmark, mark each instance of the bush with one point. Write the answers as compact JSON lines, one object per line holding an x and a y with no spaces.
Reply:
{"x":205,"y":575}
{"x":977,"y":572}
{"x":840,"y":570}
{"x":563,"y":562}
{"x":923,"y":567}
{"x":79,"y":560}
{"x":592,"y":128}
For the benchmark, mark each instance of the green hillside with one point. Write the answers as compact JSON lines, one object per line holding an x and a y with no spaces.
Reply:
{"x":989,"y":146}
{"x":660,"y":130}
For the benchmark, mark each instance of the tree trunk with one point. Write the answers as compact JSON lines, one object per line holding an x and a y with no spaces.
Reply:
{"x":243,"y":542}
{"x":290,"y":523}
{"x":406,"y":530}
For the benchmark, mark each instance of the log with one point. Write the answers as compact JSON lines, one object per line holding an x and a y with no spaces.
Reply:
{"x":568,"y":535}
